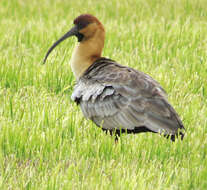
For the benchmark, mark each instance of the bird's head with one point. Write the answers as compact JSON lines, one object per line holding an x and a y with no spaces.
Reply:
{"x":85,"y":27}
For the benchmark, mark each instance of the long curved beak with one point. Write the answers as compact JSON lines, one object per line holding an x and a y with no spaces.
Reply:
{"x":72,"y":32}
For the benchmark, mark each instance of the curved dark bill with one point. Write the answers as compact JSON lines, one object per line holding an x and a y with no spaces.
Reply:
{"x":72,"y":32}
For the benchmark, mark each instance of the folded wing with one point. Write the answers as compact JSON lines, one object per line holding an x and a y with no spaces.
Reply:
{"x":118,"y":97}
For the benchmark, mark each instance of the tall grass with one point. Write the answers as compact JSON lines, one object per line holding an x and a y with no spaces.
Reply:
{"x":45,"y":143}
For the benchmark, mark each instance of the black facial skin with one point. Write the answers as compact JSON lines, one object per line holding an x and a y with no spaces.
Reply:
{"x":79,"y":36}
{"x":80,"y":25}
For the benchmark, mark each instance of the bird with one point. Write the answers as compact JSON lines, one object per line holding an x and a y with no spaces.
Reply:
{"x":117,"y":98}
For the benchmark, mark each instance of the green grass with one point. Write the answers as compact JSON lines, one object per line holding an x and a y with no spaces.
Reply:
{"x":45,"y":143}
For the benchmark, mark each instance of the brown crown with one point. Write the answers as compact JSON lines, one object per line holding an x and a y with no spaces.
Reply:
{"x":85,"y":19}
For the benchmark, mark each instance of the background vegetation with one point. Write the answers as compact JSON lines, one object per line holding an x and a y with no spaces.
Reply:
{"x":45,"y":143}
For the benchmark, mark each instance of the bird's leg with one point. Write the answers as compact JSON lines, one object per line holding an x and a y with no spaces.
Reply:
{"x":112,"y":132}
{"x":116,"y":139}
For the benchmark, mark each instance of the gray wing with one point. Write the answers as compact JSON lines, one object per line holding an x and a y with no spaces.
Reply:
{"x":118,"y":97}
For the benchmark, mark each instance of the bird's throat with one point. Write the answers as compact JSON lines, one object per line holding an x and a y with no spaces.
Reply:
{"x":79,"y":62}
{"x":85,"y":54}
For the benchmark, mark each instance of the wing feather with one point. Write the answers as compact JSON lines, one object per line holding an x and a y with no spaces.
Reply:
{"x":118,"y":97}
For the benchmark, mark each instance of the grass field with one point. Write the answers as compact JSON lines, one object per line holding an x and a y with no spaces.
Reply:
{"x":45,"y":143}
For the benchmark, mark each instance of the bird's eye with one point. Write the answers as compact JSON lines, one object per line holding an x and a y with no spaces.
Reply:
{"x":82,"y":25}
